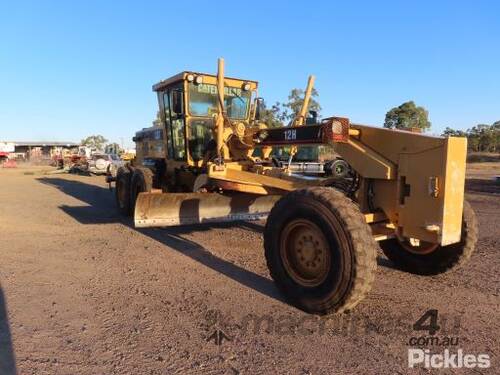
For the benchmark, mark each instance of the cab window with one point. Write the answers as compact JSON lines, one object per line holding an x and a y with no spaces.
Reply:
{"x":172,"y":104}
{"x":200,"y":137}
{"x":177,"y":120}
{"x":203,"y":101}
{"x":168,"y":125}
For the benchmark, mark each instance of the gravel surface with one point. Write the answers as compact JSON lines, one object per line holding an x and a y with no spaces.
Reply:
{"x":83,"y":292}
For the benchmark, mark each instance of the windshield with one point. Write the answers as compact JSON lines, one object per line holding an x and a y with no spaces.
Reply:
{"x":203,"y":101}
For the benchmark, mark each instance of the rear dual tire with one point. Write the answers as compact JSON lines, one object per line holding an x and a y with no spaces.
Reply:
{"x":319,"y":250}
{"x":433,"y":260}
{"x":141,"y":182}
{"x":122,"y":191}
{"x":129,"y":183}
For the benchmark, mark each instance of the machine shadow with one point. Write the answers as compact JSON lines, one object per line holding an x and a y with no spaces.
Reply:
{"x":7,"y":359}
{"x":482,"y":186}
{"x":386,"y":263}
{"x":101,"y":209}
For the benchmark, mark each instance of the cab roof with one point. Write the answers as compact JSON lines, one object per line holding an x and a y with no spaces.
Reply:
{"x":181,"y":76}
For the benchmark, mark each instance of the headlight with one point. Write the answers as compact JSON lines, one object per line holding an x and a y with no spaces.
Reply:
{"x":246,"y":86}
{"x":198,"y":80}
{"x":190,"y":77}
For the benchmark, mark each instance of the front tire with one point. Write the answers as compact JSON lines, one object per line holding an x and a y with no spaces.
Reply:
{"x":433,"y":260}
{"x":319,"y":250}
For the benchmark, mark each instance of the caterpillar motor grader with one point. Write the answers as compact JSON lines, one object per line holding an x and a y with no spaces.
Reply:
{"x":322,"y":234}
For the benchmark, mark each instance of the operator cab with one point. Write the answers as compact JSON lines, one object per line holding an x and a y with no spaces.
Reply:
{"x":188,"y":102}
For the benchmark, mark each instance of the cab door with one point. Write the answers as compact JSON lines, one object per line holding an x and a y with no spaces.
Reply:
{"x":165,"y":106}
{"x":173,"y":99}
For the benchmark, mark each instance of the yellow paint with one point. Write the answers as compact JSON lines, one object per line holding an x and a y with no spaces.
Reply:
{"x":456,"y":152}
{"x":374,"y":217}
{"x":415,"y":180}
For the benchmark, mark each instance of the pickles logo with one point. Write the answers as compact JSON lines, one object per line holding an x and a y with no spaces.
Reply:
{"x":447,"y":358}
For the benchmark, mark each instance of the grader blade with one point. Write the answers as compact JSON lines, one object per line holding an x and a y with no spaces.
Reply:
{"x":171,"y":209}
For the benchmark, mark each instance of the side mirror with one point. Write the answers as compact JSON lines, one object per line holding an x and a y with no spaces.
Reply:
{"x":177,"y":102}
{"x":259,"y":108}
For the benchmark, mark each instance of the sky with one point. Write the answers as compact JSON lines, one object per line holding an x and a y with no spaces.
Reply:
{"x":69,"y":69}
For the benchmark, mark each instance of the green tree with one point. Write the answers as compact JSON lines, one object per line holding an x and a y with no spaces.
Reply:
{"x":295,"y":100}
{"x":273,"y":116}
{"x":113,"y":148}
{"x":495,"y":128}
{"x":157,"y":120}
{"x":480,"y":138}
{"x":449,"y":132}
{"x":94,"y":141}
{"x":281,"y":114}
{"x":407,"y":116}
{"x":485,"y":138}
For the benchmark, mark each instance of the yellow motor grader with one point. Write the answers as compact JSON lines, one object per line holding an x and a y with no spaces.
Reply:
{"x":200,"y":165}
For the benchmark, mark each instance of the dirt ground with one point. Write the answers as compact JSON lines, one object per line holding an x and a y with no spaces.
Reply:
{"x":83,"y":292}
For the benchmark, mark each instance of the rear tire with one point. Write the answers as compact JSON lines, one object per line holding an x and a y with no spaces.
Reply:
{"x":441,"y":258}
{"x":319,"y":250}
{"x":142,"y":182}
{"x":122,"y":191}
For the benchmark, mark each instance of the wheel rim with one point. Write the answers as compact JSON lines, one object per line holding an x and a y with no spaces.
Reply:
{"x":305,"y":253}
{"x":422,"y":248}
{"x":339,"y":169}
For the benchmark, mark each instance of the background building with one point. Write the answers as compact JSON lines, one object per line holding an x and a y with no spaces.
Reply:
{"x":34,"y":151}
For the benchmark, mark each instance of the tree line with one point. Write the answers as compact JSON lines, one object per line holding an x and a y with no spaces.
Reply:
{"x":480,"y":138}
